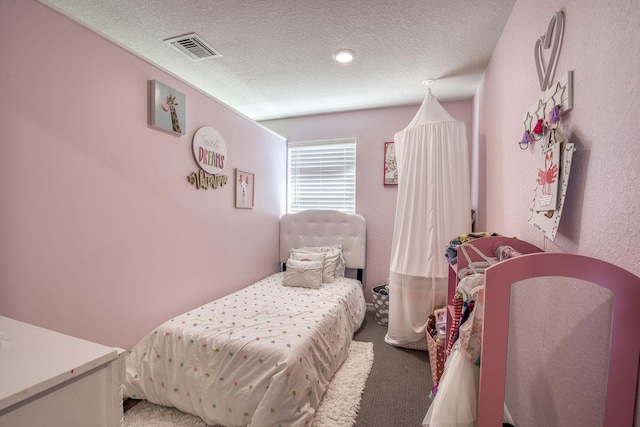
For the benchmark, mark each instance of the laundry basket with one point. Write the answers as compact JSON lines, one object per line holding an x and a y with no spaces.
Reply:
{"x":381,"y":304}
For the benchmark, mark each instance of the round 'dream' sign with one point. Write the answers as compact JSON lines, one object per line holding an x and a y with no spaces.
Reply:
{"x":209,"y":150}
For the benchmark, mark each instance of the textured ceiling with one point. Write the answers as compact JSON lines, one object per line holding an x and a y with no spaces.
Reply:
{"x":276,"y":56}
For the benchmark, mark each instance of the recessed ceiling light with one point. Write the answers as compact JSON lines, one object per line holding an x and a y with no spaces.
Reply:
{"x":344,"y":55}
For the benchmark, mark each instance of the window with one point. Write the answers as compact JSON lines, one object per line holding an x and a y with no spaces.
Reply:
{"x":322,"y":175}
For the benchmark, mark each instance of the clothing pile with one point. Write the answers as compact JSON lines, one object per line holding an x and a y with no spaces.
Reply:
{"x":451,"y":251}
{"x":455,"y":397}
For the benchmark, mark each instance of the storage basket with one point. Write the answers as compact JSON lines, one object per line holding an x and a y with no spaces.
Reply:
{"x":436,"y":358}
{"x":381,"y":304}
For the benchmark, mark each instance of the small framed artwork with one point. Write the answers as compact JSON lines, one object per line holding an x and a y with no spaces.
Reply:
{"x":168,"y":108}
{"x":547,"y":221}
{"x":244,"y":189}
{"x":390,"y":164}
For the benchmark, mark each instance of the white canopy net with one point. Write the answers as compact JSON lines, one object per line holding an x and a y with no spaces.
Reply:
{"x":434,"y":206}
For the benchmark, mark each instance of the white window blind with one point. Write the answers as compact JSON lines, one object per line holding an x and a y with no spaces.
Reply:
{"x":322,"y":175}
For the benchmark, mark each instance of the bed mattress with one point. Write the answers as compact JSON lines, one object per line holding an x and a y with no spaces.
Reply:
{"x":262,"y":356}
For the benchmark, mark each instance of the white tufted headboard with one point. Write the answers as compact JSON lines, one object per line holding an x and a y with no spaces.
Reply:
{"x":320,"y":227}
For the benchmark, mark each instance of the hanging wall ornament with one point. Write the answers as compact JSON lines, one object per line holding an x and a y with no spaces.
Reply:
{"x":525,"y":141}
{"x":554,"y":116}
{"x":539,"y":128}
{"x":557,"y":97}
{"x":557,"y":151}
{"x":554,"y":34}
{"x":542,"y":217}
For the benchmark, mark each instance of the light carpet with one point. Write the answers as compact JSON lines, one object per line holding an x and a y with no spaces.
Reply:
{"x":338,"y":408}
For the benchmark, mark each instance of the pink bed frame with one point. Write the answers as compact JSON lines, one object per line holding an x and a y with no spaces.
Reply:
{"x":625,"y":335}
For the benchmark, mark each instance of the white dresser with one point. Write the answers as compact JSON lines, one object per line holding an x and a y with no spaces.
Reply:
{"x":51,"y":379}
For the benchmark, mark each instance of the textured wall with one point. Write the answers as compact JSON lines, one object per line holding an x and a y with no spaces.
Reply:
{"x":602,"y":208}
{"x":102,"y":235}
{"x":374,"y":201}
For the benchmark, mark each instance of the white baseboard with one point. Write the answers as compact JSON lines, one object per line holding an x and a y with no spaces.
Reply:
{"x":370,"y":306}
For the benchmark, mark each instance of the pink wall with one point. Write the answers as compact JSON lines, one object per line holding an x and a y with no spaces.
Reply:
{"x":102,"y":235}
{"x":602,"y":209}
{"x":374,"y":201}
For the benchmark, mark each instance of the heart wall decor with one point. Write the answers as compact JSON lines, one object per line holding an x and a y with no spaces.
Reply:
{"x":552,"y":36}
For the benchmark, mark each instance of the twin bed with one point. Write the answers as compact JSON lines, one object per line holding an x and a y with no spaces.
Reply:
{"x":265,"y":354}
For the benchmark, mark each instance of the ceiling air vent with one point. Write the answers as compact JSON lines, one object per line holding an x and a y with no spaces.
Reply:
{"x":193,"y":47}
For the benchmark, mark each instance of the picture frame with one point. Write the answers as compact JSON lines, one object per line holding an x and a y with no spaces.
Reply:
{"x":245,"y":186}
{"x":168,"y":108}
{"x":390,"y":165}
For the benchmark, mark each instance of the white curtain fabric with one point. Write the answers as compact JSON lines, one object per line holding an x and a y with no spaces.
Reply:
{"x":434,"y":206}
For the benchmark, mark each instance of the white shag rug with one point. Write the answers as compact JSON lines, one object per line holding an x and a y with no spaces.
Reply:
{"x":338,"y":408}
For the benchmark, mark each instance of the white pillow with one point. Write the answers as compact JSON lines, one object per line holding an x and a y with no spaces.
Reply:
{"x":342,"y":265}
{"x":329,"y":258}
{"x":340,"y":262}
{"x":305,"y":274}
{"x":307,"y":256}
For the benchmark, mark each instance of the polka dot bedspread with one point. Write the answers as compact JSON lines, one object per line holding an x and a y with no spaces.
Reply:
{"x":262,"y":356}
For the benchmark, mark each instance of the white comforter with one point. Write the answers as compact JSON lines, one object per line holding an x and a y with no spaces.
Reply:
{"x":262,"y":356}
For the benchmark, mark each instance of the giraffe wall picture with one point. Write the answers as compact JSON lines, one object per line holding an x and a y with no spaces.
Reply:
{"x":168,"y":108}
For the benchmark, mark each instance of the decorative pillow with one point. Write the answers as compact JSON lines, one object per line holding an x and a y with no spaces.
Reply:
{"x":340,"y":262}
{"x":342,"y":265}
{"x":331,"y":261}
{"x":307,"y":256}
{"x":328,"y":270}
{"x":305,"y":274}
